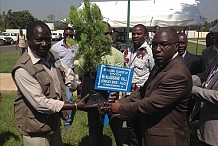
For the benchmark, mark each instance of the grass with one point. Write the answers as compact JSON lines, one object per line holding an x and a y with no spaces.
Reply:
{"x":10,"y":136}
{"x":8,"y":60}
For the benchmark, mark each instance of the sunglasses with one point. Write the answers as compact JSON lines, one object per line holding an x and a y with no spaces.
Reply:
{"x":107,"y":33}
{"x":70,"y":35}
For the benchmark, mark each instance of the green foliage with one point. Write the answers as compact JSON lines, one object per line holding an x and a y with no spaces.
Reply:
{"x":206,"y":26}
{"x":89,"y":32}
{"x":70,"y":41}
{"x":19,"y":19}
{"x":58,"y":25}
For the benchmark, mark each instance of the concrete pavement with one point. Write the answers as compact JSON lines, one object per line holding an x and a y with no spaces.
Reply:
{"x":6,"y":82}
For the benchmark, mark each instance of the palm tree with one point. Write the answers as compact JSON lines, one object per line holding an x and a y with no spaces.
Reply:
{"x":5,"y":18}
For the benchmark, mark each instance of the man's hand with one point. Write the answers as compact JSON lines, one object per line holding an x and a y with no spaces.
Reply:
{"x":82,"y":104}
{"x":111,"y":107}
{"x":115,"y":107}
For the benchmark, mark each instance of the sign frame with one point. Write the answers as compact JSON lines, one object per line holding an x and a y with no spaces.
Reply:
{"x":108,"y":75}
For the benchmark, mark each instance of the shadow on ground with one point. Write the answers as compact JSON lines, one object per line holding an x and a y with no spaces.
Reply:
{"x":7,"y":135}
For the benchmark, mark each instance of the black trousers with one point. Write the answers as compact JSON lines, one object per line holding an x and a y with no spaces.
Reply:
{"x":134,"y":132}
{"x":121,"y":135}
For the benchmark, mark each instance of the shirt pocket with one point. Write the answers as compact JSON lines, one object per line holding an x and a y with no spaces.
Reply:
{"x":45,"y":84}
{"x":41,"y":123}
{"x":162,"y":136}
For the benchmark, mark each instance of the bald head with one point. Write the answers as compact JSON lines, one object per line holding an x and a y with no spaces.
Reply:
{"x":164,"y":45}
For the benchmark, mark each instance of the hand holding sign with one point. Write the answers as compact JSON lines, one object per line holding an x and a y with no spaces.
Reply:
{"x":112,"y":78}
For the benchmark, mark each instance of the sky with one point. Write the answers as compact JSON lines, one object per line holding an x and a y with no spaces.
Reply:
{"x":60,"y":8}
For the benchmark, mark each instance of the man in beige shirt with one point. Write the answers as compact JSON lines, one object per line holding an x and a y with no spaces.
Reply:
{"x":41,"y":77}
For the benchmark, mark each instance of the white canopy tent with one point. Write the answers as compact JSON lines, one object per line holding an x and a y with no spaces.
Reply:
{"x":181,"y":13}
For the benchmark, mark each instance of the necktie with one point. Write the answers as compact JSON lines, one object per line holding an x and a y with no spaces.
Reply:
{"x":211,"y":76}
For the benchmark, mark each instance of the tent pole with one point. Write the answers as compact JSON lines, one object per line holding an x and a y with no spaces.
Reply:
{"x":197,"y":41}
{"x":128,"y":17}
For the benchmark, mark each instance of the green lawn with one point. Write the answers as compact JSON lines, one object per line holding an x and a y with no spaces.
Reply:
{"x":8,"y":60}
{"x":9,"y":134}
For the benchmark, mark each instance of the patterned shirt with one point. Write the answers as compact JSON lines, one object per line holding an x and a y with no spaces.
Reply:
{"x":142,"y":61}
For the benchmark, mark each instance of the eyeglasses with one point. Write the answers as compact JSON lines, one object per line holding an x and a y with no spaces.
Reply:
{"x":182,"y":43}
{"x":162,"y":45}
{"x":70,"y":35}
{"x":107,"y":33}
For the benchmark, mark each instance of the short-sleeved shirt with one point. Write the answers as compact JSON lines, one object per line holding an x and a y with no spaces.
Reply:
{"x":65,"y":53}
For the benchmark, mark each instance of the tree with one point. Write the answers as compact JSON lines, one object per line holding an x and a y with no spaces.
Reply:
{"x":5,"y":18}
{"x":50,"y":18}
{"x":19,"y":19}
{"x":59,"y":25}
{"x":89,"y":32}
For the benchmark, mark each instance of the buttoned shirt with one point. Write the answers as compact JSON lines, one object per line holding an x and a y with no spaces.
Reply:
{"x":142,"y":61}
{"x":32,"y":90}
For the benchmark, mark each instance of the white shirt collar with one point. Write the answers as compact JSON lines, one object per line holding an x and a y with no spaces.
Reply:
{"x":35,"y":58}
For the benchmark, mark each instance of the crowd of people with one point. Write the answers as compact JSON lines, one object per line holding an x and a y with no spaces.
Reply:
{"x":170,"y":88}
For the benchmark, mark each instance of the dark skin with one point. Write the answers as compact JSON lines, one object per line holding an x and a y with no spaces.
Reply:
{"x":40,"y":44}
{"x":164,"y":48}
{"x":40,"y":41}
{"x":21,"y":33}
{"x":183,"y":42}
{"x":156,"y":28}
{"x":138,"y":37}
{"x":164,"y":45}
{"x":68,"y":34}
{"x":215,"y":37}
{"x":0,"y":96}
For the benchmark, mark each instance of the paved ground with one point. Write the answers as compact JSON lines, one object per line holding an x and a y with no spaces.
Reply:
{"x":6,"y":82}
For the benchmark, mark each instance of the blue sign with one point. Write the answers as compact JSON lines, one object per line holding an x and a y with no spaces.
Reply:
{"x":113,"y":78}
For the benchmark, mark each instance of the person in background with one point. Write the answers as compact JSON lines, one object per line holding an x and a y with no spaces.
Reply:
{"x":209,"y":39}
{"x":21,"y":42}
{"x":67,"y":52}
{"x":156,"y":29}
{"x":193,"y":62}
{"x":140,"y":58}
{"x":94,"y":122}
{"x":205,"y":92}
{"x":161,"y":104}
{"x":210,"y":51}
{"x":40,"y":77}
{"x":1,"y":97}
